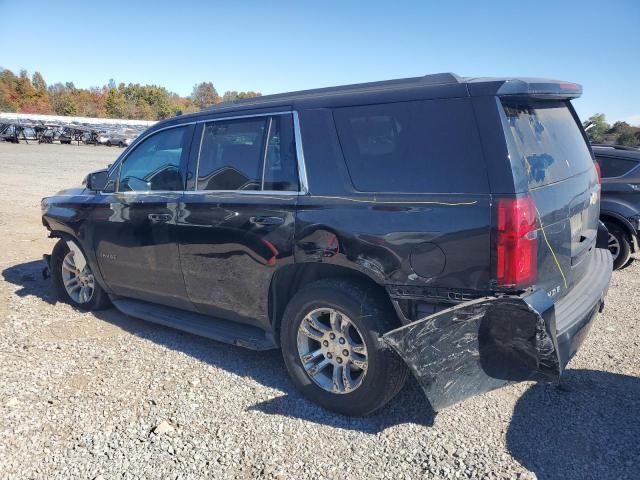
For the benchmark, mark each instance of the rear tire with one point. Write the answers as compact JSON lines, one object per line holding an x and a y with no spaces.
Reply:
{"x":619,"y":245}
{"x":374,"y":373}
{"x":71,"y":285}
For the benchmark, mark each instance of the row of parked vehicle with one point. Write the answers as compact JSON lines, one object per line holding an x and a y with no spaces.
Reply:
{"x":16,"y":131}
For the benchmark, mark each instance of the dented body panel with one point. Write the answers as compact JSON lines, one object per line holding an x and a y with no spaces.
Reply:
{"x":484,"y":344}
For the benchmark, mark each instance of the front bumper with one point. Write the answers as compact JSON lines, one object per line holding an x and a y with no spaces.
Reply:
{"x":484,"y":344}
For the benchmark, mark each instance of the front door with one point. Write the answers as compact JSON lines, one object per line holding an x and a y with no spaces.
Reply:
{"x":237,"y":224}
{"x":135,"y":235}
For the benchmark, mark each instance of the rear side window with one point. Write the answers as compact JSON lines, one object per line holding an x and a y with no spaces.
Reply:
{"x":546,"y":137}
{"x":249,"y":154}
{"x":231,"y":155}
{"x":614,"y":167}
{"x":428,"y":146}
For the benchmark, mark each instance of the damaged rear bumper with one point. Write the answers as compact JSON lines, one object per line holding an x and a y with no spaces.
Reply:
{"x":484,"y":344}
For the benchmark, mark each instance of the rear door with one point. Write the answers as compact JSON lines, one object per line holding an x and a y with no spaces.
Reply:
{"x":547,"y":147}
{"x":237,"y":225}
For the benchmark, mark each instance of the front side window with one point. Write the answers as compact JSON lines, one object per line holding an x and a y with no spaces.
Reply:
{"x":154,"y":165}
{"x":248,"y":154}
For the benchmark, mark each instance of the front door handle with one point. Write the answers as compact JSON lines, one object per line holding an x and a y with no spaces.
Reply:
{"x":159,"y":217}
{"x":261,"y":220}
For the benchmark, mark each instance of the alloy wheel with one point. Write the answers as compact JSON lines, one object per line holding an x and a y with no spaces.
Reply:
{"x":332,"y":350}
{"x":614,"y":246}
{"x":79,"y":284}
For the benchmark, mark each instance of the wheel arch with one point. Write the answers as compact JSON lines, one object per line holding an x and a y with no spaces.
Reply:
{"x":619,"y":220}
{"x":288,"y":280}
{"x":88,"y":255}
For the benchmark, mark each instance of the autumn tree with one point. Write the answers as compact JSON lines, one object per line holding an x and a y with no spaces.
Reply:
{"x":598,"y":128}
{"x":115,"y":105}
{"x":21,"y":93}
{"x":205,"y":94}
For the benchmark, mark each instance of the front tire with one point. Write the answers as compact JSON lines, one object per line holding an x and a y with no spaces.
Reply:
{"x":619,"y":245}
{"x":331,"y":345}
{"x":76,"y":287}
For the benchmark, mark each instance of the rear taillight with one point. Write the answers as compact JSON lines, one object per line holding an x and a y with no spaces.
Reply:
{"x":516,"y":242}
{"x":599,"y":172}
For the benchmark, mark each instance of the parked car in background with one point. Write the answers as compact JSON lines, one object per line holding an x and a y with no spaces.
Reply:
{"x":441,"y":225}
{"x":620,"y":204}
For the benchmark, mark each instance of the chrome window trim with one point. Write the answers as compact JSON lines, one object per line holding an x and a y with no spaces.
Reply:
{"x":302,"y":170}
{"x":266,"y":150}
{"x":243,"y":192}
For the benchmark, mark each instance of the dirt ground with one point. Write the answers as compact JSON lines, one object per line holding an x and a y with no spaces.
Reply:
{"x":103,"y":395}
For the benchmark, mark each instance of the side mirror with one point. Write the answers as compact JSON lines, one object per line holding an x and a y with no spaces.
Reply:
{"x":97,"y":181}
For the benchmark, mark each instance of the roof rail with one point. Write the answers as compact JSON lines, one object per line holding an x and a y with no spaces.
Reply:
{"x":433,"y":79}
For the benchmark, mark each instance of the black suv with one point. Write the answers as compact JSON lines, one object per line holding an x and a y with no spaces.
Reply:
{"x":620,"y":204}
{"x":444,"y":224}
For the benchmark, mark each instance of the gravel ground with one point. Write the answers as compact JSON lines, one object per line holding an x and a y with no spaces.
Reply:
{"x":103,"y":395}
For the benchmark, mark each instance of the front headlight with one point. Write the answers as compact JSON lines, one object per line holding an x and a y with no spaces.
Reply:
{"x":44,"y":205}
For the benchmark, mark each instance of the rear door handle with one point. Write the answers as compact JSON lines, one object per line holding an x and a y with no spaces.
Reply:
{"x":260,"y":220}
{"x":159,"y":217}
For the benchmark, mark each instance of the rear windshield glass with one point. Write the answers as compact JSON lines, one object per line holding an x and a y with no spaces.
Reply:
{"x":546,"y":137}
{"x":429,"y":146}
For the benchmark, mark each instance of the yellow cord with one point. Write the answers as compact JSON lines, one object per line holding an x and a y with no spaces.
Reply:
{"x":551,"y":249}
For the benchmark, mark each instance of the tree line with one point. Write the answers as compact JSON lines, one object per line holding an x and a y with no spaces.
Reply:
{"x":31,"y":94}
{"x":620,"y":133}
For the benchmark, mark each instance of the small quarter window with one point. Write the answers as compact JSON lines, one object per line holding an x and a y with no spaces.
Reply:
{"x":281,"y":164}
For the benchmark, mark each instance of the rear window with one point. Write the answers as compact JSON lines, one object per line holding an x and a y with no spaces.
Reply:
{"x":614,"y":167}
{"x":429,"y":146}
{"x":547,"y":139}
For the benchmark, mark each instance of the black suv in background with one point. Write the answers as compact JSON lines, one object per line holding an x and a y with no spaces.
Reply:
{"x":620,"y":204}
{"x":444,"y":224}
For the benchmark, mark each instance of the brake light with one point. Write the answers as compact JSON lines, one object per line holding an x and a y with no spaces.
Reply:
{"x":516,"y":242}
{"x":599,"y":172}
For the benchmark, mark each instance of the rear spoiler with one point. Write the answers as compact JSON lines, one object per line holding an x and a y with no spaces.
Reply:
{"x":541,"y":88}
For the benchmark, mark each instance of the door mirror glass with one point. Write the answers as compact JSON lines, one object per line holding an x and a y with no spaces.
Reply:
{"x":97,"y":181}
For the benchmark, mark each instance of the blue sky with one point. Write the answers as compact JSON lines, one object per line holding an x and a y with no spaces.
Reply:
{"x":281,"y":46}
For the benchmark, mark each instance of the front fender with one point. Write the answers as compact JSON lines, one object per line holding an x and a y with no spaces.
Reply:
{"x":479,"y":346}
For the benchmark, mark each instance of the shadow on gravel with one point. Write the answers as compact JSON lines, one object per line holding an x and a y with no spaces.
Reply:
{"x":28,"y":276}
{"x":588,"y":429}
{"x":267,"y":368}
{"x":410,"y":406}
